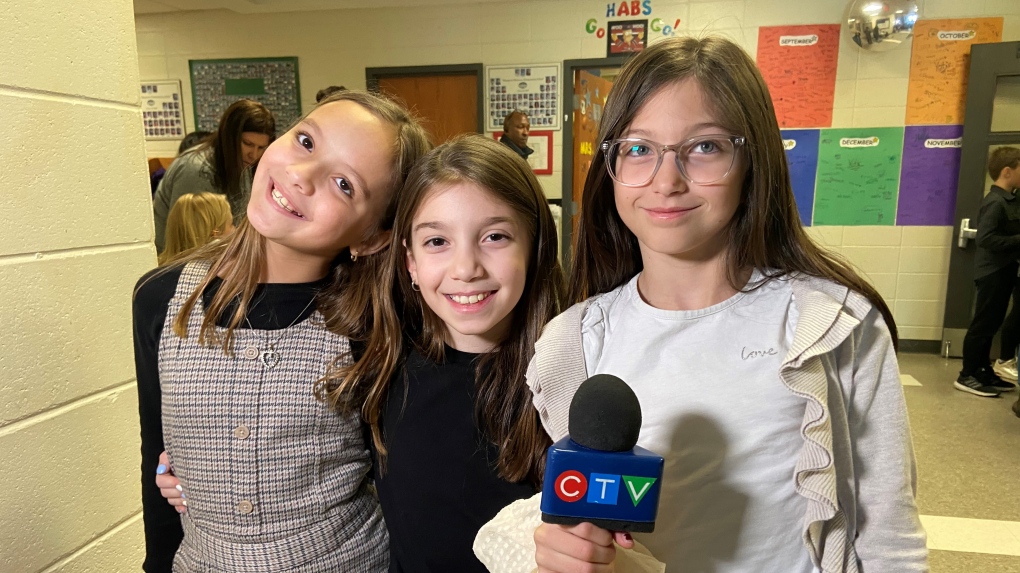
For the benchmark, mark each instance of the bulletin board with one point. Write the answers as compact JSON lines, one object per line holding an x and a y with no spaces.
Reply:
{"x":939,"y":65}
{"x":162,"y":110}
{"x":801,"y":147}
{"x":799,"y":66}
{"x":533,"y":89}
{"x":858,"y":176}
{"x":931,"y":169}
{"x":273,"y":82}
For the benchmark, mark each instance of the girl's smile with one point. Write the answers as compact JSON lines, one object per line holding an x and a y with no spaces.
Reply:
{"x":469,"y":256}
{"x":282,"y":201}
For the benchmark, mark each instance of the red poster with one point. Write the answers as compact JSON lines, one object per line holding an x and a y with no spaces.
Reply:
{"x":799,"y":66}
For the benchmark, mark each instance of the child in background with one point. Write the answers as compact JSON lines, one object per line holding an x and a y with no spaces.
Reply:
{"x":195,"y":219}
{"x":475,"y":277}
{"x":231,"y":339}
{"x":765,"y":367}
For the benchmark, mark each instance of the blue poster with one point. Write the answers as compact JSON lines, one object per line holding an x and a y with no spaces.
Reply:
{"x":802,"y":155}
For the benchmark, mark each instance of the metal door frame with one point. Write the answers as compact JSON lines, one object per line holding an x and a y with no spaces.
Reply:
{"x":570,"y":208}
{"x":988,"y":62}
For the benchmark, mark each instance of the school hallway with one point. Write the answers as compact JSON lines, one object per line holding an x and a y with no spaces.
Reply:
{"x":968,"y":464}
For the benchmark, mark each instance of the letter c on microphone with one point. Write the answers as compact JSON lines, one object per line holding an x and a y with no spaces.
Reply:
{"x":571,"y":486}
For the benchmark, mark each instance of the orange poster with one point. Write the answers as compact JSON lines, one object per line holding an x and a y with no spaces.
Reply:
{"x":799,"y":66}
{"x":939,"y":64}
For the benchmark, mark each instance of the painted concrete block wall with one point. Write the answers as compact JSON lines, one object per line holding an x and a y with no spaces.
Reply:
{"x":909,"y":265}
{"x":76,"y":235}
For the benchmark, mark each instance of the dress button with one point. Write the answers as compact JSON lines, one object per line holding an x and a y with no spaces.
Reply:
{"x":251,"y":353}
{"x":242,"y":432}
{"x":245,"y":506}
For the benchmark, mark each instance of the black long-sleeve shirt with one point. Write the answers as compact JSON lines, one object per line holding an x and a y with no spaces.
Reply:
{"x":440,"y":483}
{"x":998,"y":232}
{"x":274,"y":306}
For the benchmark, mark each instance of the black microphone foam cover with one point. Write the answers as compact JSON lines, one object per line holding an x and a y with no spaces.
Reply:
{"x":605,"y":415}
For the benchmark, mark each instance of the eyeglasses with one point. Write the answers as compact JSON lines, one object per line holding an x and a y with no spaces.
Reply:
{"x":702,"y":160}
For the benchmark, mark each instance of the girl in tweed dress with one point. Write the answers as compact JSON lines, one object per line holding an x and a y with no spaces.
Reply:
{"x":765,"y":366}
{"x":231,"y":341}
{"x":476,"y":279}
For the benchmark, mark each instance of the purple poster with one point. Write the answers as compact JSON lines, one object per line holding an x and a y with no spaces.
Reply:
{"x":931,"y":167}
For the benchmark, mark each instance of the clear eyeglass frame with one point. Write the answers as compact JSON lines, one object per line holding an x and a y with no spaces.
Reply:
{"x":679,"y":151}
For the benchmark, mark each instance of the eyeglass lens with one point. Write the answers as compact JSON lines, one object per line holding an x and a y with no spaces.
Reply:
{"x":702,"y":160}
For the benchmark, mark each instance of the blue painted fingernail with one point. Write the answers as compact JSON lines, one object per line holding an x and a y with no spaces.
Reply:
{"x":183,"y":496}
{"x":161,"y":469}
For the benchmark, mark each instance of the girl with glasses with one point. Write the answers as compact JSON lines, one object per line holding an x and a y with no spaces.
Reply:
{"x":765,"y":366}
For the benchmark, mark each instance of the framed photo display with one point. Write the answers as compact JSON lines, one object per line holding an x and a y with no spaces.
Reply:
{"x":163,"y":110}
{"x":533,"y":89}
{"x":542,"y":142}
{"x":626,"y":37}
{"x":273,"y":82}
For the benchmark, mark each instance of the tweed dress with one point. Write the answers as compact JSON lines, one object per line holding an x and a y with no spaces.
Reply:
{"x":275,"y":480}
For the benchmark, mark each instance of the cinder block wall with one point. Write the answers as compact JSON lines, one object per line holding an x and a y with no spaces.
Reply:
{"x":76,"y":234}
{"x":908,"y":265}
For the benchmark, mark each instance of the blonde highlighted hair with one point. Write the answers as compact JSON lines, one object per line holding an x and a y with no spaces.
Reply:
{"x":194,"y":220}
{"x":353,"y":292}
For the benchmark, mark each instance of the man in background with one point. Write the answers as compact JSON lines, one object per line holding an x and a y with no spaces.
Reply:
{"x":995,"y":274}
{"x":515,"y":133}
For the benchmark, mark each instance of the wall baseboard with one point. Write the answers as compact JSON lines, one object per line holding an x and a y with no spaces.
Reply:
{"x":921,"y":346}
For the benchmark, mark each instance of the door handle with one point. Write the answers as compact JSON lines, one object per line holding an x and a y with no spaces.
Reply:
{"x":965,"y":233}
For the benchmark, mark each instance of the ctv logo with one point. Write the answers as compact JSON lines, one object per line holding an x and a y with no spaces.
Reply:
{"x":604,"y":489}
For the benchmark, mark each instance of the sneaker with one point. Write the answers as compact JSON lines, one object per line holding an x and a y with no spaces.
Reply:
{"x":1006,"y":369}
{"x":973,"y":386}
{"x":987,"y":377}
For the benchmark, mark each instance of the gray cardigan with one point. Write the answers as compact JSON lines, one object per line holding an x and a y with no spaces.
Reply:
{"x":856,"y":467}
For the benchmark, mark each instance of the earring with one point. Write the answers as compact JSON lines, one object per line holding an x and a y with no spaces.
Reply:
{"x":414,"y":286}
{"x":354,"y":256}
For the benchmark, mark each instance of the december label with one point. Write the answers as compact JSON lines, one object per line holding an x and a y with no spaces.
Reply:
{"x":858,"y":142}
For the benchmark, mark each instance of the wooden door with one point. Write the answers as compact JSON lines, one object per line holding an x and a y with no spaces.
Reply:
{"x":447,"y":105}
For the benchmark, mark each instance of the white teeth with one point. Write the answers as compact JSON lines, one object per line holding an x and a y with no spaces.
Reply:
{"x":475,"y":298}
{"x":283,"y":202}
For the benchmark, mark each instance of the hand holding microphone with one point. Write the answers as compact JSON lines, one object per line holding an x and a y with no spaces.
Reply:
{"x":597,"y":480}
{"x":597,"y":474}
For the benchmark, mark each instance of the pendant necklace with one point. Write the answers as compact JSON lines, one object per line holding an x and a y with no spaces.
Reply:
{"x":271,"y":356}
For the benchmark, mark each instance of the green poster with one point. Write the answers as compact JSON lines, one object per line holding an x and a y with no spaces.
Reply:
{"x":858,"y":176}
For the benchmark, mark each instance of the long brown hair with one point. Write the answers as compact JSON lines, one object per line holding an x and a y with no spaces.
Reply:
{"x":503,"y":405}
{"x":348,"y":302}
{"x":765,"y":232}
{"x":242,"y":116}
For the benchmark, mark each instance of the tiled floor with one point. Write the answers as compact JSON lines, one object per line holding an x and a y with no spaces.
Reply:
{"x":968,"y":463}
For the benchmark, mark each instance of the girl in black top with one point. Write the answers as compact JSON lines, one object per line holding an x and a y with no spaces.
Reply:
{"x":231,"y":339}
{"x":454,"y":433}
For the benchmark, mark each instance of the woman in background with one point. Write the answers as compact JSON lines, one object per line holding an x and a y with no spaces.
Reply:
{"x":219,"y":164}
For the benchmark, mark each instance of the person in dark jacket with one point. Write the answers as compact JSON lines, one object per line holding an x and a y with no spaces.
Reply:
{"x":516,"y":127}
{"x":995,"y":273}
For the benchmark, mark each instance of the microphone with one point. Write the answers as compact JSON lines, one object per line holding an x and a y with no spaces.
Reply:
{"x":597,"y":474}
